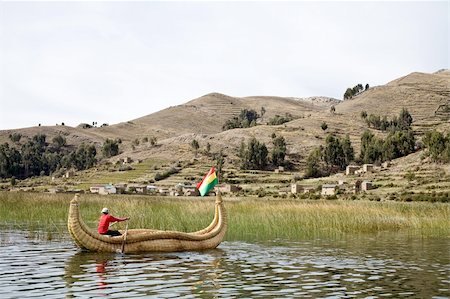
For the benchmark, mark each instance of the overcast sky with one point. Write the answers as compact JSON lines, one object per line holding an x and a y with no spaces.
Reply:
{"x":111,"y":62}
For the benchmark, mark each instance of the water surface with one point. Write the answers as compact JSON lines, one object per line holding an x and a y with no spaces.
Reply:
{"x":386,"y":265}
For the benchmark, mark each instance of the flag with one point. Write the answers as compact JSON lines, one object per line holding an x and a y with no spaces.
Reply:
{"x":208,"y":182}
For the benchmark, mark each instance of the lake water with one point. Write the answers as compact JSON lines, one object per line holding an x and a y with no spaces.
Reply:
{"x":386,"y":265}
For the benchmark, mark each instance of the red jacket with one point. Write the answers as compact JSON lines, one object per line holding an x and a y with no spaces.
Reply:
{"x":105,"y":220}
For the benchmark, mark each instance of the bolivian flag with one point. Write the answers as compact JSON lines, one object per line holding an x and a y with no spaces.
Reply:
{"x":208,"y":182}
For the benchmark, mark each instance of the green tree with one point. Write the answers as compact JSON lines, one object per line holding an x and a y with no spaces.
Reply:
{"x":405,"y":120}
{"x":324,"y":126}
{"x":59,"y":141}
{"x":220,"y":160}
{"x":313,"y":163}
{"x":254,"y":155}
{"x":15,"y":137}
{"x":194,"y":144}
{"x":333,"y":153}
{"x":348,"y":150}
{"x":363,"y":114}
{"x":438,"y":145}
{"x":279,"y":150}
{"x":110,"y":148}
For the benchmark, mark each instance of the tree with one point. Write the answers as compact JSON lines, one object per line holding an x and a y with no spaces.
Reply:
{"x":313,"y":169}
{"x":153,"y":141}
{"x":438,"y":145}
{"x":208,"y":147}
{"x":194,"y":144}
{"x":324,"y":126}
{"x":84,"y":157}
{"x":59,"y":141}
{"x":405,"y":120}
{"x":348,"y":94}
{"x":333,"y":153}
{"x":254,"y":155}
{"x":110,"y":148}
{"x":367,"y":86}
{"x":15,"y":137}
{"x":371,"y":148}
{"x":332,"y":109}
{"x":363,"y":114}
{"x":245,"y":119}
{"x":348,"y":150}
{"x":219,"y":159}
{"x":279,"y":150}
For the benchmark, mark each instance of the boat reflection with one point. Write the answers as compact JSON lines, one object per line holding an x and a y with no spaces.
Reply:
{"x":149,"y":274}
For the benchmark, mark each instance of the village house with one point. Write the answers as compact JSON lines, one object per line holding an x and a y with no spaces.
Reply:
{"x":188,"y":190}
{"x":69,"y":174}
{"x":367,"y":167}
{"x":297,"y":189}
{"x":351,"y":169}
{"x":228,"y":188}
{"x":163,"y":191}
{"x":152,"y":189}
{"x":366,"y":185}
{"x":103,"y":189}
{"x":329,"y":189}
{"x":280,"y":169}
{"x":120,"y":188}
{"x":137,"y":188}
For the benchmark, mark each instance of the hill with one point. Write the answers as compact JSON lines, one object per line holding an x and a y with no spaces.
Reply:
{"x":426,"y":96}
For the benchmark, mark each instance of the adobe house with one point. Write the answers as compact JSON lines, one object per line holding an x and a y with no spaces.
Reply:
{"x":366,"y":185}
{"x":103,"y":189}
{"x":367,"y":167}
{"x":297,"y":189}
{"x":152,"y":189}
{"x":137,"y":188}
{"x":95,"y":188}
{"x":69,"y":174}
{"x":329,"y":189}
{"x":229,"y":188}
{"x":164,"y":191}
{"x":280,"y":169}
{"x":120,"y":188}
{"x":190,"y":191}
{"x":351,"y":169}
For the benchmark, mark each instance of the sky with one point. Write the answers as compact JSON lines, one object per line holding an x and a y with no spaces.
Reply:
{"x":111,"y":62}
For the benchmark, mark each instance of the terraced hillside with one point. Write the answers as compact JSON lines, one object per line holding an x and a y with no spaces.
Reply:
{"x":426,"y":96}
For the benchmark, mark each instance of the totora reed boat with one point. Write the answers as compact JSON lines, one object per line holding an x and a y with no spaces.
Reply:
{"x":145,"y":240}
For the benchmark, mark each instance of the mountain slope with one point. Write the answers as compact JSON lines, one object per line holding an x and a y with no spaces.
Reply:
{"x":426,"y":96}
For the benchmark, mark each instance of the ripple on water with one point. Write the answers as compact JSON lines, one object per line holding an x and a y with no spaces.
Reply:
{"x":319,"y":268}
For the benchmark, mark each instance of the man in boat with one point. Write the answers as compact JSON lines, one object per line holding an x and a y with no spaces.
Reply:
{"x":105,"y":220}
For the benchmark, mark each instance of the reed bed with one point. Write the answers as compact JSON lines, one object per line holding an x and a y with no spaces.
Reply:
{"x":249,"y":219}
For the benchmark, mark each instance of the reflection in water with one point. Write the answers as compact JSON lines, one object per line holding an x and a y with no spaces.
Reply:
{"x":387,"y":265}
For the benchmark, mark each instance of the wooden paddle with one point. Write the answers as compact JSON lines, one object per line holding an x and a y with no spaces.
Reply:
{"x":124,"y":238}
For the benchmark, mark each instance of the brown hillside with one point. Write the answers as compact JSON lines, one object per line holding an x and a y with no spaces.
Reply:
{"x":426,"y":96}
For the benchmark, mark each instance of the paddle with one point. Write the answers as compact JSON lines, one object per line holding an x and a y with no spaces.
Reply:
{"x":124,"y":238}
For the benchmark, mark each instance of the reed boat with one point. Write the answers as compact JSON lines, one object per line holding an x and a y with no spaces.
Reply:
{"x":147,"y":240}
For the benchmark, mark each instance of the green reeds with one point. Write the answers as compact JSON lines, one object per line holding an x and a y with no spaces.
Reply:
{"x":248,"y":219}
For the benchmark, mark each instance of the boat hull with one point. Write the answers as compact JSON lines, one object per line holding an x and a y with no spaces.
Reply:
{"x":147,"y":240}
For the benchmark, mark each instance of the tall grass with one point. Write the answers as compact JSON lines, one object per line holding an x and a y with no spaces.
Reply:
{"x":249,"y":219}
